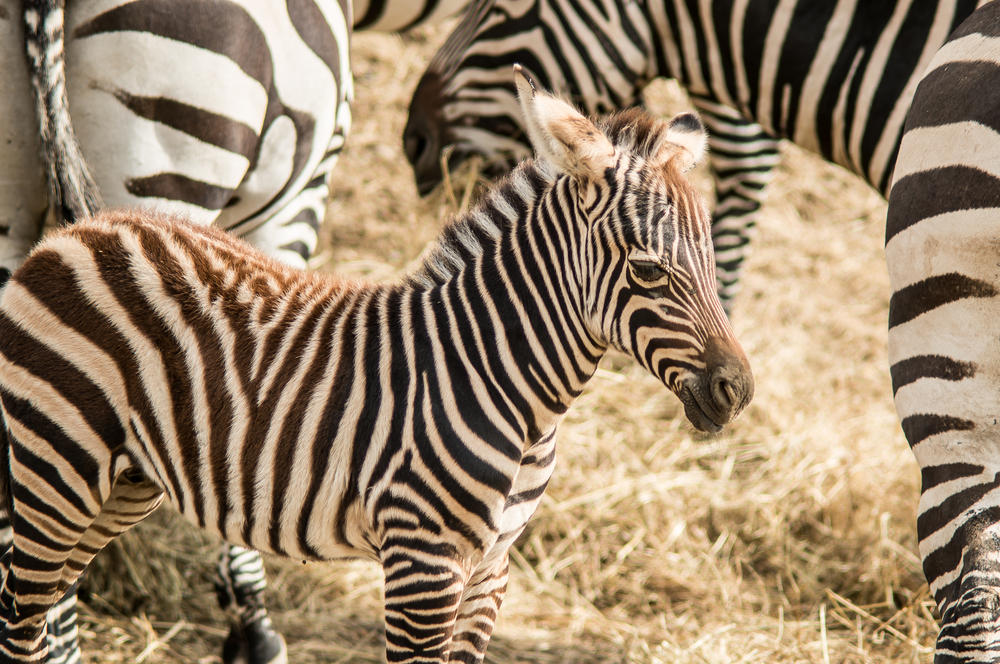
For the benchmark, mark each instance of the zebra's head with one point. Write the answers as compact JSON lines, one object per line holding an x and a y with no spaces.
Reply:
{"x":645,"y":261}
{"x":465,"y":103}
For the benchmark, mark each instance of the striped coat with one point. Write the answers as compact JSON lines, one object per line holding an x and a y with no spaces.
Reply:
{"x":410,"y":422}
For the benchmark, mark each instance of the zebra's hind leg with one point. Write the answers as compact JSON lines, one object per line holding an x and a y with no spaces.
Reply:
{"x":240,"y":584}
{"x":63,"y":634}
{"x":50,"y":552}
{"x":290,"y":234}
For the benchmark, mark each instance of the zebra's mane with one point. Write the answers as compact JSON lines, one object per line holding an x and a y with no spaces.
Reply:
{"x":634,"y":130}
{"x":467,"y":235}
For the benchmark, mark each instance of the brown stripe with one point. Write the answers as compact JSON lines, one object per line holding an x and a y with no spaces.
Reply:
{"x":177,"y":187}
{"x":193,"y":22}
{"x":208,"y":127}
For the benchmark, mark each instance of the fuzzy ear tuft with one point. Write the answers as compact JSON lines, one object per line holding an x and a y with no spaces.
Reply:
{"x":560,"y":133}
{"x":684,"y":141}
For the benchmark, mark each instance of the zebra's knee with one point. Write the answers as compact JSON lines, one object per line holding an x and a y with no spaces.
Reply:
{"x":240,"y":580}
{"x":970,"y":628}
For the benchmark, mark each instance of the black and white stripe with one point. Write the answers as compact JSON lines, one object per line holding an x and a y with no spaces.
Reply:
{"x":400,"y":15}
{"x":943,"y":253}
{"x":230,"y":112}
{"x":191,"y":122}
{"x":411,"y":422}
{"x":834,"y":77}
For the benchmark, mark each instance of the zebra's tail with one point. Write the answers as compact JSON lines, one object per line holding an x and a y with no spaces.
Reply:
{"x":72,"y":191}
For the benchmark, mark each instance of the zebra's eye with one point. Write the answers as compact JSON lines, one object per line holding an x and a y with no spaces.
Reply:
{"x":647,"y":269}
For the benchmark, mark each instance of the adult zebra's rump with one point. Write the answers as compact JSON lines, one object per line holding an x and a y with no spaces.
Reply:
{"x":411,"y":422}
{"x":230,"y":113}
{"x":943,"y":253}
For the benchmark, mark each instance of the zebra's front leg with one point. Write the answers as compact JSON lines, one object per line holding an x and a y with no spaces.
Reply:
{"x":240,"y":584}
{"x":743,"y":160}
{"x":478,"y":611}
{"x":943,"y":348}
{"x":424,"y":585}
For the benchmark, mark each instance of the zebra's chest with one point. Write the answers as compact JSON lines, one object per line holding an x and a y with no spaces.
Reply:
{"x":526,"y":492}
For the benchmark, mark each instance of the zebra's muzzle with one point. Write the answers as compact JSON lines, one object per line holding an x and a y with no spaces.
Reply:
{"x":698,"y":414}
{"x":714,"y":398}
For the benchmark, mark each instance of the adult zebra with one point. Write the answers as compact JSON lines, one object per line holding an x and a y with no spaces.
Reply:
{"x":247,"y":144}
{"x":399,"y":15}
{"x":321,"y":418}
{"x":943,"y":254}
{"x":258,"y":167}
{"x":834,"y":77}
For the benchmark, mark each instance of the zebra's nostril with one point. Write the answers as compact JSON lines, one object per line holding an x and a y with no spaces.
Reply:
{"x":415,"y":146}
{"x":724,"y":392}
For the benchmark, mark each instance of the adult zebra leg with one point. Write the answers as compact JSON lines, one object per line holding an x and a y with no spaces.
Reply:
{"x":944,"y":329}
{"x":240,"y":583}
{"x":478,"y":611}
{"x":945,"y":367}
{"x":291,"y":233}
{"x":743,"y":160}
{"x":946,"y":377}
{"x":23,"y":200}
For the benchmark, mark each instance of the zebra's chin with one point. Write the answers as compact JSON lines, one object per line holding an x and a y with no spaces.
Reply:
{"x":698,"y":413}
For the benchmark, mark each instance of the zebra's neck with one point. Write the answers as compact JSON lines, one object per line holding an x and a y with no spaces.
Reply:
{"x":510,"y":275}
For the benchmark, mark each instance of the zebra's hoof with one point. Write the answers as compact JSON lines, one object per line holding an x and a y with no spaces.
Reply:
{"x":970,"y":629}
{"x":256,"y":643}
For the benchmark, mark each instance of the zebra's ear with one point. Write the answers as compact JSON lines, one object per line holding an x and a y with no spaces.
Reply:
{"x":561,"y":134}
{"x":684,"y":142}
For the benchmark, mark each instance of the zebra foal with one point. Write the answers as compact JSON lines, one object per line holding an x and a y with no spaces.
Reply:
{"x":143,"y":359}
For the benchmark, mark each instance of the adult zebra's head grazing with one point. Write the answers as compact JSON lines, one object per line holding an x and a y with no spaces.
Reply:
{"x":636,"y":238}
{"x":465,"y":101}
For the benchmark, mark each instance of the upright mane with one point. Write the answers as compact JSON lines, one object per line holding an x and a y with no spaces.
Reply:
{"x":634,"y":130}
{"x":470,"y":233}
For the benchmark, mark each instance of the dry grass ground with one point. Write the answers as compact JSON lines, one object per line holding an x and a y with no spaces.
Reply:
{"x":787,"y":538}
